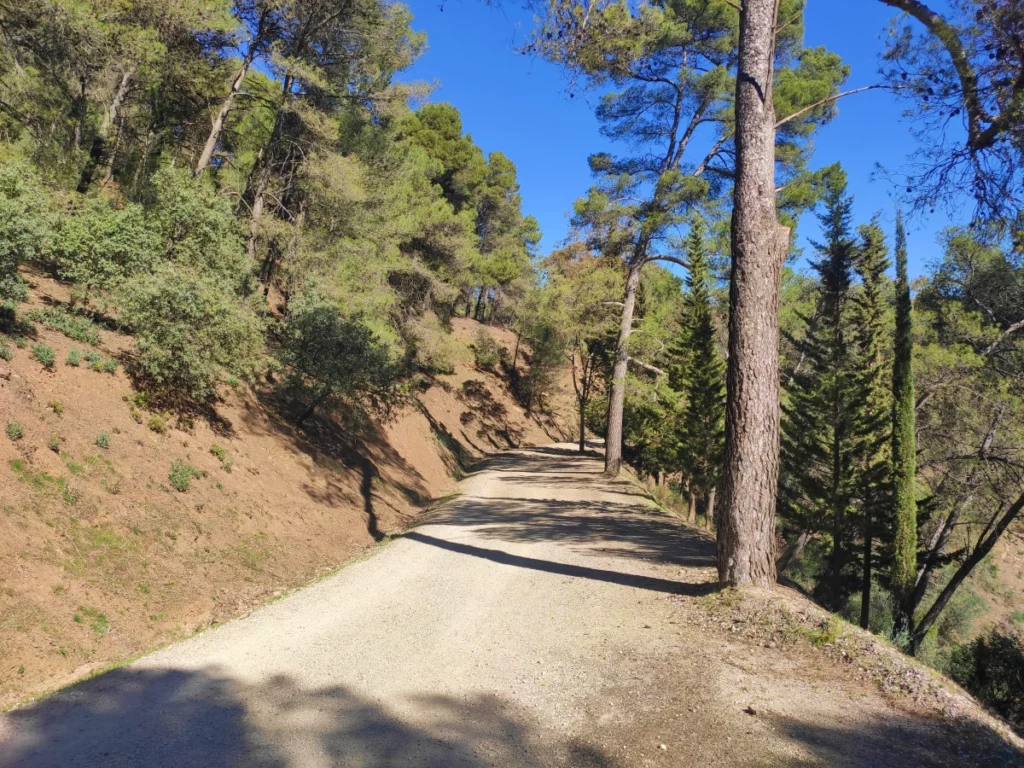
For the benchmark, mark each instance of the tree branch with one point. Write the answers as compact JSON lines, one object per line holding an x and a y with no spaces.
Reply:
{"x":935,"y":23}
{"x":827,"y":99}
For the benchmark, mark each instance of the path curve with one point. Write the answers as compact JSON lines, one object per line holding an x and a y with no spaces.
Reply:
{"x":535,"y":620}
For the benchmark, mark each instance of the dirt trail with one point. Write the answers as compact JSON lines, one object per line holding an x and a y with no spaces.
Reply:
{"x":542,"y":618}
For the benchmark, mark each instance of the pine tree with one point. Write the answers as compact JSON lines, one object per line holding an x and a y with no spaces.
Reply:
{"x":872,"y":406}
{"x":816,"y":493}
{"x":697,"y":371}
{"x":904,"y":566}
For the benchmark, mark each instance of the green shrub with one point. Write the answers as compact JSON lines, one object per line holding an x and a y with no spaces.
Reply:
{"x":487,"y":352}
{"x":188,"y":328}
{"x":92,"y":358}
{"x":74,"y":357}
{"x":108,"y":366}
{"x":56,"y":406}
{"x":53,"y":443}
{"x":992,"y":668}
{"x":181,"y":475}
{"x":26,"y":222}
{"x":73,"y":326}
{"x":334,"y":359}
{"x":219,"y":452}
{"x":432,"y":347}
{"x":6,"y":353}
{"x":99,"y":245}
{"x":20,"y":342}
{"x":103,"y":440}
{"x":44,"y":355}
{"x":14,"y":430}
{"x":157,"y":424}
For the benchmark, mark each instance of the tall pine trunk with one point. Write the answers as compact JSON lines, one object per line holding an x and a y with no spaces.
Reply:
{"x":98,"y":154}
{"x":746,"y":540}
{"x":617,"y":388}
{"x":217,"y":127}
{"x":904,"y":470}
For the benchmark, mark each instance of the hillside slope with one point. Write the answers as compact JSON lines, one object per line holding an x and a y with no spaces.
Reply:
{"x":102,"y":559}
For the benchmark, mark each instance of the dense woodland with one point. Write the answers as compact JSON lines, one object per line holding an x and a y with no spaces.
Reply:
{"x":248,"y":190}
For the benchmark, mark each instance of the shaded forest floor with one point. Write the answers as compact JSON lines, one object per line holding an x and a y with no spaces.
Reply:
{"x":102,"y":559}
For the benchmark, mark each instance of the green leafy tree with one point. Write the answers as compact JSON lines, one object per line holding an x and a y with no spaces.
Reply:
{"x":668,"y":69}
{"x":333,"y":361}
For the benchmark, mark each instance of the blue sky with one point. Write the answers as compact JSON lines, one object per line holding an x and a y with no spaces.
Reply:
{"x":520,"y":106}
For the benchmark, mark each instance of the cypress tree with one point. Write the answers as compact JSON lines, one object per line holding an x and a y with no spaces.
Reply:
{"x":904,"y":565}
{"x":703,"y":384}
{"x":872,"y":409}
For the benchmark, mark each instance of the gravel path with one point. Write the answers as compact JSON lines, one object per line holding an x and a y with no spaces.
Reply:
{"x":539,"y":619}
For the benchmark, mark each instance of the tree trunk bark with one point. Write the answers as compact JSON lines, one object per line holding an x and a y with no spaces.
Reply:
{"x":583,"y":426}
{"x":217,"y":128}
{"x":746,"y":541}
{"x":985,"y":544}
{"x":709,"y":512}
{"x":865,"y":590}
{"x":98,"y":151}
{"x":617,"y":388}
{"x":793,"y":552}
{"x":691,"y":512}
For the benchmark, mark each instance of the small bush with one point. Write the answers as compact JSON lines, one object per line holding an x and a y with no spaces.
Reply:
{"x":107,"y":366}
{"x":14,"y":430}
{"x":181,"y":475}
{"x":73,"y":326}
{"x":334,"y":360}
{"x":136,"y":416}
{"x":92,"y":358}
{"x":103,"y":440}
{"x":432,"y":346}
{"x":20,"y":342}
{"x":53,"y":443}
{"x":56,"y":406}
{"x":992,"y":668}
{"x":486,"y":351}
{"x":44,"y":355}
{"x":157,"y":424}
{"x":74,"y":358}
{"x":188,"y":328}
{"x":6,"y":353}
{"x":219,"y":452}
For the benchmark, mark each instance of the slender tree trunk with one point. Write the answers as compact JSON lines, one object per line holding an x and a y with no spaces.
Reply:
{"x":617,"y":388}
{"x":691,"y":512}
{"x":793,"y":552}
{"x":98,"y":151}
{"x":865,"y":589}
{"x":583,"y":425}
{"x":992,"y":533}
{"x":709,"y":512}
{"x":746,"y":541}
{"x":943,"y":532}
{"x":217,"y":127}
{"x":479,"y":302}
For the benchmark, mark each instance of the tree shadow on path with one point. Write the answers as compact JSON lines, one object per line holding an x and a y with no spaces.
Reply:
{"x":198,"y":718}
